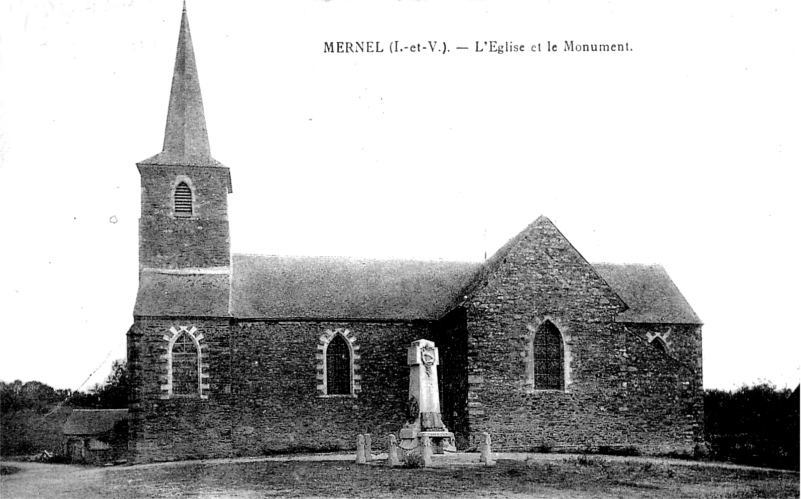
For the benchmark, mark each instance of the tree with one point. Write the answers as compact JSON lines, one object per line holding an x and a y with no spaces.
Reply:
{"x":33,"y":395}
{"x":111,"y":394}
{"x":753,"y":425}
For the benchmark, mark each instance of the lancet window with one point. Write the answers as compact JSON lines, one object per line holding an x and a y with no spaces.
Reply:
{"x":549,"y":358}
{"x":338,"y":366}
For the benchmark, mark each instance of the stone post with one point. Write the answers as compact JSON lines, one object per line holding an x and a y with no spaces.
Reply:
{"x":425,"y":450}
{"x":392,"y":453}
{"x":368,"y":447}
{"x":486,"y":451}
{"x":360,"y":450}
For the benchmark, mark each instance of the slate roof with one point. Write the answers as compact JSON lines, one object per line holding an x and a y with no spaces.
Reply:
{"x":186,"y":140}
{"x":320,"y":288}
{"x":649,"y":292}
{"x":281,"y":287}
{"x":165,"y":293}
{"x":93,"y":421}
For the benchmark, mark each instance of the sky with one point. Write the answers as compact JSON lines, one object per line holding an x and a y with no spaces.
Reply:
{"x":682,"y":151}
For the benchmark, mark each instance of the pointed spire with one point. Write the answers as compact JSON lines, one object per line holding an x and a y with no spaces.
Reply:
{"x":186,"y":140}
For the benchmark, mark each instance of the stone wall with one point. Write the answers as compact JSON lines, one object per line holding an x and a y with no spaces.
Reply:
{"x":183,"y":243}
{"x":684,"y":349}
{"x":201,"y":240}
{"x":164,"y":428}
{"x":276,"y":379}
{"x":615,"y":382}
{"x":540,"y":277}
{"x":263,"y":394}
{"x":661,"y":400}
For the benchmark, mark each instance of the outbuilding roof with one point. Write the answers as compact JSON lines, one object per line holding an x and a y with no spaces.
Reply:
{"x":93,"y":421}
{"x":281,"y":287}
{"x":649,"y":292}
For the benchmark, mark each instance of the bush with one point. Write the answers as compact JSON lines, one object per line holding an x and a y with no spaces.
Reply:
{"x":756,"y":425}
{"x":27,"y":432}
{"x":413,"y":461}
{"x":583,"y":460}
{"x":675,"y":454}
{"x":619,"y":451}
{"x":300,"y":449}
{"x":9,"y":470}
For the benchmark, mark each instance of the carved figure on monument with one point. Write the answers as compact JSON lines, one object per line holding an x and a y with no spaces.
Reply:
{"x":428,"y":354}
{"x":424,"y":418}
{"x":412,"y":409}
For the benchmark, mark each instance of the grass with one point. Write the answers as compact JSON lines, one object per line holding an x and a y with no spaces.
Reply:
{"x":300,"y":449}
{"x":581,"y":476}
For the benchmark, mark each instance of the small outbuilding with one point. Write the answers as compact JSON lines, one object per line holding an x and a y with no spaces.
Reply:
{"x":96,"y":436}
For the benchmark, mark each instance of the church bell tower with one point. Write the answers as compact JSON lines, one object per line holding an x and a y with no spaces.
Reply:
{"x":183,"y":226}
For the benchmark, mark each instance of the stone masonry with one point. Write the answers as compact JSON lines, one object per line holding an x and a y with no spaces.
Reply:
{"x":229,"y":354}
{"x":615,"y":382}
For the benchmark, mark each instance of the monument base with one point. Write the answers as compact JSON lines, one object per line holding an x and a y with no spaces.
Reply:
{"x":441,"y":441}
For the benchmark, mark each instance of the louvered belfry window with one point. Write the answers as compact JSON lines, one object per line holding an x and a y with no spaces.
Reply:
{"x":185,"y":374}
{"x":548,"y":358}
{"x":337,"y":366}
{"x":183,"y":200}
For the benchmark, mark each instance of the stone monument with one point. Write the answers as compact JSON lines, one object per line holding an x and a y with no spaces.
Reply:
{"x":423,"y":412}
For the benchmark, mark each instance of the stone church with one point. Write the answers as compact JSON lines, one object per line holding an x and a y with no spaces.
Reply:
{"x":246,"y":354}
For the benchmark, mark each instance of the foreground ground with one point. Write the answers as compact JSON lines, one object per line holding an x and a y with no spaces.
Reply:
{"x":556,"y":476}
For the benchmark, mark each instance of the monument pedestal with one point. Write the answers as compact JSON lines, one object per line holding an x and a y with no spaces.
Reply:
{"x":441,"y":441}
{"x":423,"y":410}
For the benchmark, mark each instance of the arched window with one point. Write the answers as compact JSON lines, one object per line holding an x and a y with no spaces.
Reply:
{"x":659,"y":344}
{"x":549,"y":359}
{"x":185,"y":373}
{"x":337,"y":366}
{"x":183,"y":200}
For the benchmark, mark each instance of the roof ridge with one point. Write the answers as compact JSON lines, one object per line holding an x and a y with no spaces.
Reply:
{"x":96,"y":410}
{"x":354,"y":258}
{"x":655,"y":264}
